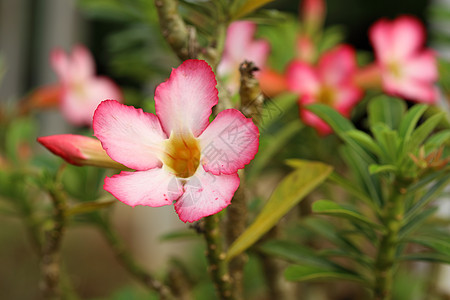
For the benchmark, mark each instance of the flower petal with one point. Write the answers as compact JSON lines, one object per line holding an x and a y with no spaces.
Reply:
{"x":60,"y":64}
{"x":129,"y":135}
{"x":205,"y":194}
{"x":83,"y":65}
{"x":302,"y":78}
{"x":411,"y":89}
{"x":78,"y":103}
{"x":408,"y":35}
{"x":422,"y":66}
{"x":229,"y":143}
{"x":337,"y":65}
{"x":155,"y":187}
{"x":183,"y":103}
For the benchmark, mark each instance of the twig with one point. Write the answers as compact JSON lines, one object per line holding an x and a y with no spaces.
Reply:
{"x":236,"y":224}
{"x":50,"y":256}
{"x":216,"y":257}
{"x":180,"y":37}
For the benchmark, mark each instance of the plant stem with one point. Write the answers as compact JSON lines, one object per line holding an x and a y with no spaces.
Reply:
{"x":50,"y":256}
{"x":385,"y":260}
{"x":236,"y":224}
{"x":180,"y":37}
{"x":129,"y":263}
{"x":216,"y":258}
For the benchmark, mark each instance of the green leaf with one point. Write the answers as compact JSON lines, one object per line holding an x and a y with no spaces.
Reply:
{"x":87,"y":207}
{"x":421,"y":133}
{"x":276,"y":108}
{"x":331,"y":208}
{"x":375,"y":169}
{"x":440,"y":245}
{"x":183,"y":234}
{"x":308,"y":273}
{"x":296,"y":253}
{"x":415,"y":221}
{"x":428,"y":256}
{"x":336,"y":121}
{"x":351,"y":188}
{"x":246,"y":7}
{"x":409,"y":121}
{"x":291,"y":190}
{"x":328,"y":230}
{"x":365,"y":141}
{"x":431,"y":193}
{"x":386,"y":110}
{"x":278,"y":141}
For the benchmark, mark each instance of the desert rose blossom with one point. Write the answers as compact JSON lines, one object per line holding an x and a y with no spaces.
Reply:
{"x":240,"y":45}
{"x":79,"y":150}
{"x":179,"y":157}
{"x":330,"y":83}
{"x":80,"y":89}
{"x":407,"y":69}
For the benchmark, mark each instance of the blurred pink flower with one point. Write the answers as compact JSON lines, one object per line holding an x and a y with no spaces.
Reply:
{"x":177,"y":154}
{"x":330,"y":83}
{"x":240,"y":45}
{"x":407,"y":70}
{"x":79,"y":150}
{"x":81,"y":89}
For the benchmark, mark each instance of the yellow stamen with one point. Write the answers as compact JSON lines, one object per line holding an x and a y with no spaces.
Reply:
{"x":182,"y":154}
{"x":326,"y":95}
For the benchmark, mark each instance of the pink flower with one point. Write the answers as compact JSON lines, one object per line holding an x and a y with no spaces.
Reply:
{"x":240,"y":45}
{"x":79,"y":150}
{"x":81,"y":90}
{"x":406,"y":69}
{"x":331,"y":83}
{"x":179,"y":157}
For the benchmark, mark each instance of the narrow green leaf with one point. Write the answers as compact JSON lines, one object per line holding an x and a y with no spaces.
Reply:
{"x":247,"y":7}
{"x":360,"y":168}
{"x":296,"y":253}
{"x":365,"y":141}
{"x":87,"y":207}
{"x":415,"y":221}
{"x":441,"y":244}
{"x":278,"y":141}
{"x":179,"y":235}
{"x":336,"y":121}
{"x":428,"y":256}
{"x":291,"y":190}
{"x":421,"y":133}
{"x":308,"y":273}
{"x":409,"y":121}
{"x":375,"y":169}
{"x":331,"y":208}
{"x":328,"y":230}
{"x":386,"y":110}
{"x":351,"y":188}
{"x":431,"y":194}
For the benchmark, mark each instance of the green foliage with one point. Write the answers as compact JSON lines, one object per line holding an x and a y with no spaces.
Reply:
{"x":294,"y":187}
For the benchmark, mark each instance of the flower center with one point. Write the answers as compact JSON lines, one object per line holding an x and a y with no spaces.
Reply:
{"x":182,"y":154}
{"x":394,"y":69}
{"x":326,"y":95}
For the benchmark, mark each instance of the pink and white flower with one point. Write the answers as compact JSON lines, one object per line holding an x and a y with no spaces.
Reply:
{"x":330,"y":83}
{"x":81,"y":90}
{"x":407,"y":70}
{"x":240,"y":45}
{"x":179,"y":157}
